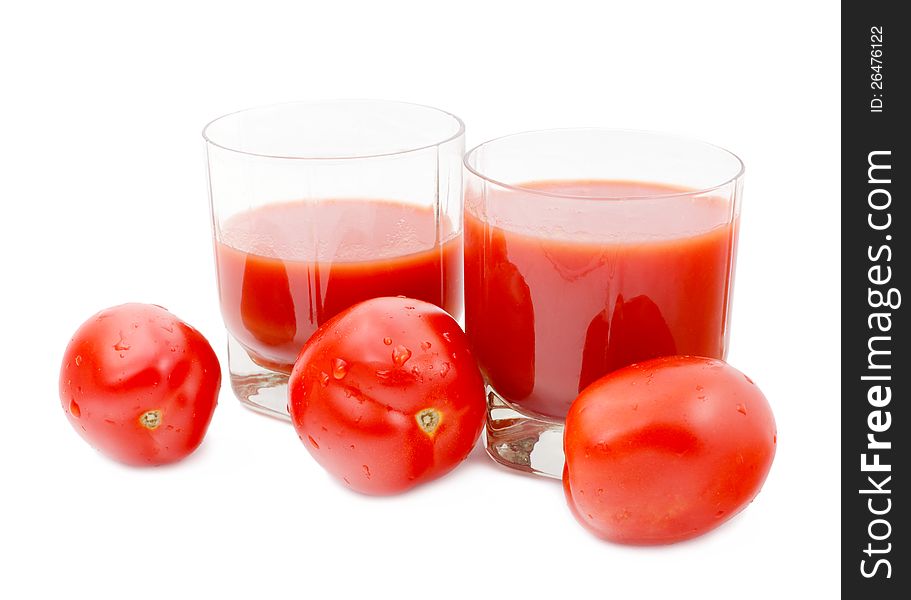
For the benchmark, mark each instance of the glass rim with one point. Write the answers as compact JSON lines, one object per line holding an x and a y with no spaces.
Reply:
{"x":606,"y":130}
{"x":460,"y":130}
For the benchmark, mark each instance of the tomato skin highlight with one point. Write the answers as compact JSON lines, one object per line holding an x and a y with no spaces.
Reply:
{"x":386,"y":395}
{"x":666,"y":450}
{"x":139,"y":384}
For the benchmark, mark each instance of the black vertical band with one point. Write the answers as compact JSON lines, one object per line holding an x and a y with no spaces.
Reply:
{"x":876,"y":370}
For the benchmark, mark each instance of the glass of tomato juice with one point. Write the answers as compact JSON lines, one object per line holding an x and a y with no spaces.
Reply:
{"x":319,"y":205}
{"x":587,"y":250}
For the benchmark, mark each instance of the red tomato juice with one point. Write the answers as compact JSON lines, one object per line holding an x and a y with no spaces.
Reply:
{"x":286,"y":268}
{"x":560,"y":292}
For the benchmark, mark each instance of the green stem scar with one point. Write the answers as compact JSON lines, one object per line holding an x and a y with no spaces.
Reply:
{"x":428,"y":420}
{"x":150,"y":419}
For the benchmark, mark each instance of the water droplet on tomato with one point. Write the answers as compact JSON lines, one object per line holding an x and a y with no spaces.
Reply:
{"x":415,"y":371}
{"x":324,"y":378}
{"x":78,"y":360}
{"x":387,"y":341}
{"x":74,"y":409}
{"x":121,"y":345}
{"x":750,"y":381}
{"x":425,"y":345}
{"x":719,"y":514}
{"x":742,"y":409}
{"x":699,"y":388}
{"x":444,"y":368}
{"x":400,"y":355}
{"x":313,"y":441}
{"x":446,"y":336}
{"x":383,"y":374}
{"x":339,"y":368}
{"x":366,"y":471}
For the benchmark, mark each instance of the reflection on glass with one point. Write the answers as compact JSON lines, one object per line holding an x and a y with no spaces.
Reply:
{"x":634,"y":331}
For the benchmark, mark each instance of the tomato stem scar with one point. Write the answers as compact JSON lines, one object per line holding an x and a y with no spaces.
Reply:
{"x":428,"y":420}
{"x":150,"y":419}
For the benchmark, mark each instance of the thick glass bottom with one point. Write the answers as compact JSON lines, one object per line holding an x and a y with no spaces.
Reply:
{"x":523,"y":440}
{"x":256,"y":387}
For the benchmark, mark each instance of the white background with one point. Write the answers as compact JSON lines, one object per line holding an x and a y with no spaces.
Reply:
{"x":102,"y":179}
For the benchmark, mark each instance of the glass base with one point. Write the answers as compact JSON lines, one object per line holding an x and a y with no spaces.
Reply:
{"x":256,"y":387}
{"x":523,"y":440}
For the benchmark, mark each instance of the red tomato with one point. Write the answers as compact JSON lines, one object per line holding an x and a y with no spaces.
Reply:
{"x":386,"y":395}
{"x":666,"y":450}
{"x":139,"y":384}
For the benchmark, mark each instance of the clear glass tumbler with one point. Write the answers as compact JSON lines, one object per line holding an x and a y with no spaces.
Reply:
{"x":319,"y":205}
{"x":587,"y":250}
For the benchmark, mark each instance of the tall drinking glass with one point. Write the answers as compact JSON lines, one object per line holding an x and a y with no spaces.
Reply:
{"x":587,"y":250}
{"x":319,"y":205}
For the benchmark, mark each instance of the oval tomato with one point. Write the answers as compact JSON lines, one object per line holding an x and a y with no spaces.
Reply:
{"x":386,"y":395}
{"x":666,"y":449}
{"x":139,"y":384}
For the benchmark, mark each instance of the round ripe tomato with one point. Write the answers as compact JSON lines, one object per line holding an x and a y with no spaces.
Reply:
{"x":666,"y":449}
{"x":139,"y":384}
{"x":386,"y":395}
